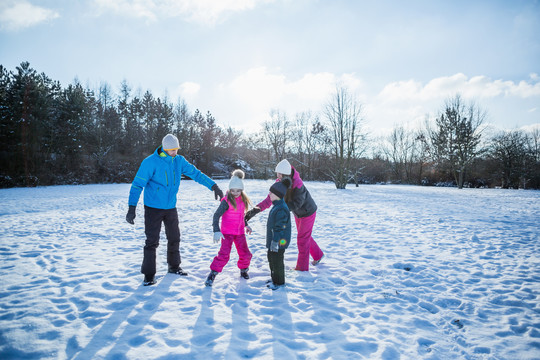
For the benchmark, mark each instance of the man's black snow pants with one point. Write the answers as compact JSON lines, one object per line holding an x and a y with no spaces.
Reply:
{"x":152,"y":227}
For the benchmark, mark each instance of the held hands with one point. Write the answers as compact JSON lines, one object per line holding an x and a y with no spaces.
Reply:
{"x":130,"y":216}
{"x":251,"y":213}
{"x":217,"y":192}
{"x":217,"y":237}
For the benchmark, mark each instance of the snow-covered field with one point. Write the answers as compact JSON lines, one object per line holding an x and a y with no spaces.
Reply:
{"x":409,"y":273}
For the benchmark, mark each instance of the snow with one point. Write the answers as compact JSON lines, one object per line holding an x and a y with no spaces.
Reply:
{"x":409,"y":273}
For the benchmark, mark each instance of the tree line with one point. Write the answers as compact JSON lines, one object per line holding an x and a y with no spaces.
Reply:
{"x":52,"y":135}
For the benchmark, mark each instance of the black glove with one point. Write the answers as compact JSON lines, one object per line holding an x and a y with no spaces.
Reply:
{"x":251,"y":213}
{"x":131,"y":214}
{"x":217,"y":192}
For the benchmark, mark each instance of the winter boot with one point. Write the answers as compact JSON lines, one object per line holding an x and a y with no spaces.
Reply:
{"x":244,"y":273}
{"x":274,"y":286}
{"x":177,"y":271}
{"x":316,"y":262}
{"x":149,"y":280}
{"x":210,"y":279}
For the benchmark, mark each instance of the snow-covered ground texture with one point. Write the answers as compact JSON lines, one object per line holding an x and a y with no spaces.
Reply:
{"x":409,"y":273}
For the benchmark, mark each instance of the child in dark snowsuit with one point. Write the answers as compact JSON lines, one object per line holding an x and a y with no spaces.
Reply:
{"x":232,"y":209}
{"x":278,"y":233}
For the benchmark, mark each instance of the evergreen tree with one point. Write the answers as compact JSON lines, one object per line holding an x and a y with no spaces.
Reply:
{"x":69,"y":137}
{"x":456,"y":138}
{"x":31,"y":99}
{"x":149,"y":120}
{"x":164,"y":119}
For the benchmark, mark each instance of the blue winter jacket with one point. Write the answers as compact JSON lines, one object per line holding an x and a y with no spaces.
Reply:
{"x":159,"y":175}
{"x":278,"y":225}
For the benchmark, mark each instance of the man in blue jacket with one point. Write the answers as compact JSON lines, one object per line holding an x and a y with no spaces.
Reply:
{"x":159,"y":175}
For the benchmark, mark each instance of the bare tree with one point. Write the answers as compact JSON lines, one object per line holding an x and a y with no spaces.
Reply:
{"x":533,"y":144}
{"x":403,"y":150}
{"x":309,"y":140}
{"x":455,"y":140}
{"x":344,"y":115}
{"x":510,"y":153}
{"x":277,"y":133}
{"x":258,"y":154}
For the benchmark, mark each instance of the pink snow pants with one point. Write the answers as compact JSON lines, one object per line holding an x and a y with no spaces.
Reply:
{"x":306,"y":244}
{"x":224,"y":253}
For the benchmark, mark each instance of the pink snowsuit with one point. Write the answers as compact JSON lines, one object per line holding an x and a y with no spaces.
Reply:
{"x":304,"y":209}
{"x":233,"y":230}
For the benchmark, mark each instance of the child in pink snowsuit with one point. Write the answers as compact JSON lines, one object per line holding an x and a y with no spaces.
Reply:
{"x":233,"y":229}
{"x":301,"y":203}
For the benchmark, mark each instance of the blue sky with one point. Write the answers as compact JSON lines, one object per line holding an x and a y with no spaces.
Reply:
{"x":239,"y":59}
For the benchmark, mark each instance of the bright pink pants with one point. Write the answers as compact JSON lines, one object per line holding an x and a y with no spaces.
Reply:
{"x":224,"y":253}
{"x":306,"y":244}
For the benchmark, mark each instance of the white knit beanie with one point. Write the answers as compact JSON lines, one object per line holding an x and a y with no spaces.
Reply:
{"x":236,"y":180}
{"x":283,"y":167}
{"x":170,"y":142}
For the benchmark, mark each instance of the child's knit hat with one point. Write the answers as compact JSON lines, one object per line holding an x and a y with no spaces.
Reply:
{"x":236,"y":180}
{"x":280,"y":187}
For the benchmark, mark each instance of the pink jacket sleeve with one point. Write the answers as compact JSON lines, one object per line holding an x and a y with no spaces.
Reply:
{"x":265,"y":204}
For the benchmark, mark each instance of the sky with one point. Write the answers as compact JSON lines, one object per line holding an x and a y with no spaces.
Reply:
{"x":241,"y":59}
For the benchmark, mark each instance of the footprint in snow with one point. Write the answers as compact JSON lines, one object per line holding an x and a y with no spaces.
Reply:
{"x":457,"y":323}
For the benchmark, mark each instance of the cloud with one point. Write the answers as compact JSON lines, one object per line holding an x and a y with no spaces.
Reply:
{"x":411,"y":101}
{"x":262,"y":90}
{"x":22,"y":14}
{"x":259,"y":85}
{"x":246,"y":100}
{"x":207,"y":12}
{"x":187,"y":91}
{"x":443,"y":87}
{"x":131,"y":8}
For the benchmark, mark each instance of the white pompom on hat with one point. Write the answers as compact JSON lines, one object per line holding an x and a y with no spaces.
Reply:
{"x":170,"y":142}
{"x":283,"y":167}
{"x":236,"y":180}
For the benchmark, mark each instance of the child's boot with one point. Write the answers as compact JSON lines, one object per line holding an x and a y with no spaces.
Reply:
{"x":316,"y":262}
{"x":210,"y":279}
{"x":273,"y":286}
{"x":244,"y":273}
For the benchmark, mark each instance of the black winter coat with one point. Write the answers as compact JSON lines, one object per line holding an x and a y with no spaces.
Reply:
{"x":301,"y":203}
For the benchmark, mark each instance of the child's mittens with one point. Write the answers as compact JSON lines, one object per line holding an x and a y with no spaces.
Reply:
{"x":274,"y":246}
{"x":217,"y":237}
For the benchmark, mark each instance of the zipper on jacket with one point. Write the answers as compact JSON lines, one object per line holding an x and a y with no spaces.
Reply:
{"x":174,"y":172}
